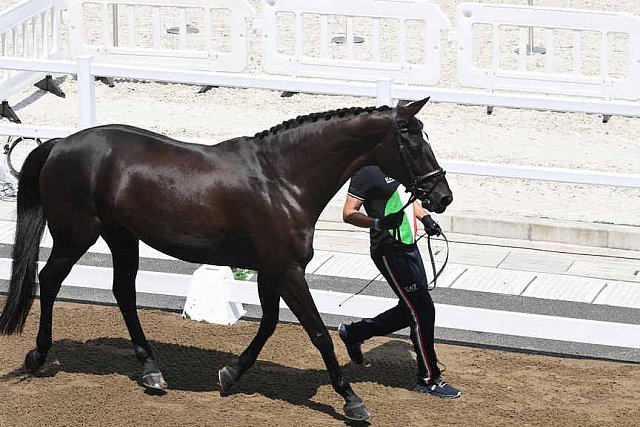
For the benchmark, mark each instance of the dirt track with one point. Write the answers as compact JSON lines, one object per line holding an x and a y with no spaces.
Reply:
{"x":91,"y":379}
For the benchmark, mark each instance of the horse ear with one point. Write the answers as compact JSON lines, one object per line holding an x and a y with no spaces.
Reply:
{"x":414,"y":107}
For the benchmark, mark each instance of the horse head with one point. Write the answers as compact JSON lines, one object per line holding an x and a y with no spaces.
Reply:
{"x":406,"y":155}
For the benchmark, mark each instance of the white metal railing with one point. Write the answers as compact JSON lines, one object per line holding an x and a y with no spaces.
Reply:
{"x":86,"y":70}
{"x":588,"y":53}
{"x":108,"y":29}
{"x":541,"y":173}
{"x":299,"y":38}
{"x":212,"y":283}
{"x":212,"y":295}
{"x":383,"y":91}
{"x":184,"y":34}
{"x":30,"y":29}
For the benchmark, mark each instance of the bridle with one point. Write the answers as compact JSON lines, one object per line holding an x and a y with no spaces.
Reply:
{"x":417,"y":192}
{"x":417,"y":186}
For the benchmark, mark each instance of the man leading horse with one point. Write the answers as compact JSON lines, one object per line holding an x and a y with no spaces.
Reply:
{"x":127,"y":185}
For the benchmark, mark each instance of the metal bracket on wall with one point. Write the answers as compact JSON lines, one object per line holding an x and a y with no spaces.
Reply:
{"x":106,"y":80}
{"x":49,"y":85}
{"x":7,"y":111}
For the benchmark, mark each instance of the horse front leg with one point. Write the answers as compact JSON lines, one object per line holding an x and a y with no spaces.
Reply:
{"x":269,"y":301}
{"x":295,"y":292}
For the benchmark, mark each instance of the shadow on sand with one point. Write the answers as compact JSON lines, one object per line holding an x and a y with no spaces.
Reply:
{"x":195,"y":369}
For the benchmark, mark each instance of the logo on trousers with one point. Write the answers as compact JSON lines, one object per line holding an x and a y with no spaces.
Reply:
{"x":411,"y":287}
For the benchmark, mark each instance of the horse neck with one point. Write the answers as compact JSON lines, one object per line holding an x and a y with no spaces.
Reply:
{"x":316,"y":159}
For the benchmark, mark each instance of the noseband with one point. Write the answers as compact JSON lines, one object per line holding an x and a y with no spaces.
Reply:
{"x":417,"y":186}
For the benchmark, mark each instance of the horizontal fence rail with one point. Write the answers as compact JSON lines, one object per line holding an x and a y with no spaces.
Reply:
{"x":383,"y":91}
{"x":212,"y":295}
{"x":541,"y":173}
{"x":28,"y":30}
{"x":341,"y":40}
{"x":184,"y":34}
{"x":587,"y":53}
{"x":591,"y":65}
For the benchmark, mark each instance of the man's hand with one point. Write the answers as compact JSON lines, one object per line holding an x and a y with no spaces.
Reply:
{"x":430,"y":226}
{"x":389,"y":222}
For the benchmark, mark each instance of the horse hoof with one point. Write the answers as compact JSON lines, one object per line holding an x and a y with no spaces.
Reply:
{"x":154,"y":380}
{"x":356,"y":411}
{"x":33,"y":361}
{"x":226,"y":378}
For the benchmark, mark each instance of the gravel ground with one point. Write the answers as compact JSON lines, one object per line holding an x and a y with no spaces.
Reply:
{"x":91,"y":379}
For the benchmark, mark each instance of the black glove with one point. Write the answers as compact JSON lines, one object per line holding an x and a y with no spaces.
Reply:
{"x":430,"y":226}
{"x":389,"y":222}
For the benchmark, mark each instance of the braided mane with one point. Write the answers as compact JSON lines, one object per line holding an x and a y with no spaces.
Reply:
{"x":314,"y":117}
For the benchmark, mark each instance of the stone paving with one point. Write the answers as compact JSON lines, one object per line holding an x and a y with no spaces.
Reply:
{"x":543,"y":270}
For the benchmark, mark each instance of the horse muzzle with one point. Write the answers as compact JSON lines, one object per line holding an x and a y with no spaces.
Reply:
{"x":437,"y":204}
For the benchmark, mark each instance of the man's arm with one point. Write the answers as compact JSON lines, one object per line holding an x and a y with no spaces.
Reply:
{"x":430,"y":226}
{"x":351,"y":213}
{"x":419,"y":210}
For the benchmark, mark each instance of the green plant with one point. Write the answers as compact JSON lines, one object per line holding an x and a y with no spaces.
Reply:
{"x":242,"y":273}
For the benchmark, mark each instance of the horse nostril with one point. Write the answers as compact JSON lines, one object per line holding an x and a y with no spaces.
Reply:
{"x":446,"y":200}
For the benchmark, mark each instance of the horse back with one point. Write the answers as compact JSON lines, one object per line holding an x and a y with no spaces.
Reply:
{"x":109,"y":161}
{"x":194,"y":202}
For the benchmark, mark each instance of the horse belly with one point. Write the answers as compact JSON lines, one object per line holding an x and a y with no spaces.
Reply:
{"x":205,"y":246}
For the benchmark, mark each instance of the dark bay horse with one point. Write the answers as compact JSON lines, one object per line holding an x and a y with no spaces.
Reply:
{"x":248,"y":202}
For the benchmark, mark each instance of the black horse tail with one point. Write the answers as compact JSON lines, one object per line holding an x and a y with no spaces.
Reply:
{"x":30,"y":224}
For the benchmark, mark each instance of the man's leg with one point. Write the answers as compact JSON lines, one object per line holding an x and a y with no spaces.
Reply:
{"x":406,"y":275}
{"x":388,"y":322}
{"x":409,"y":279}
{"x":404,"y":271}
{"x":383,"y":324}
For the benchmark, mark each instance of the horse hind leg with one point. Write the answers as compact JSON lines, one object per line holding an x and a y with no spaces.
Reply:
{"x":124,"y":248}
{"x":269,"y":301}
{"x":64,"y":254}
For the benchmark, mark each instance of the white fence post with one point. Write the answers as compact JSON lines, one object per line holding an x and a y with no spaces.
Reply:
{"x":383,"y":92}
{"x":86,"y":93}
{"x":208,"y":298}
